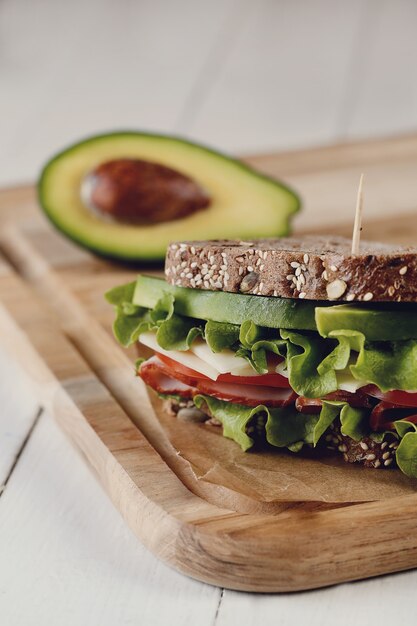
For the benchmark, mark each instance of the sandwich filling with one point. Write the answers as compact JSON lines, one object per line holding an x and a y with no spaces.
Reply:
{"x":278,"y":371}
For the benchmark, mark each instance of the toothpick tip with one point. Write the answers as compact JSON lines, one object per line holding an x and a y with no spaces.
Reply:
{"x":357,"y":226}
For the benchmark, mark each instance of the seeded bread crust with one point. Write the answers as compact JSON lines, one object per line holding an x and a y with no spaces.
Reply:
{"x":315,"y":268}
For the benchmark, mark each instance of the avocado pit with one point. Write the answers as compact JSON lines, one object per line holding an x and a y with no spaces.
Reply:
{"x":134,"y":191}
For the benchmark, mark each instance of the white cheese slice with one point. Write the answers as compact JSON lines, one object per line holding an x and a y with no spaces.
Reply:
{"x":225,"y":362}
{"x":201,"y":359}
{"x":281,"y":369}
{"x":346,"y":381}
{"x":186,"y":358}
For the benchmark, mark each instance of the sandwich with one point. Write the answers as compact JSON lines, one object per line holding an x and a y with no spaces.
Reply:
{"x":289,"y":343}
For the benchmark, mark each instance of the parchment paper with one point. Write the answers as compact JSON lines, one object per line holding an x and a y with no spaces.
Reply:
{"x":277,"y":475}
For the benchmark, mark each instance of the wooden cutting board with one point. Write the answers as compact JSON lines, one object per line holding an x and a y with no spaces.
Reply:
{"x":54,"y":321}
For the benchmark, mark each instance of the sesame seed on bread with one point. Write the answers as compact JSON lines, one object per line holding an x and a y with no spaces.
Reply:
{"x":315,"y":268}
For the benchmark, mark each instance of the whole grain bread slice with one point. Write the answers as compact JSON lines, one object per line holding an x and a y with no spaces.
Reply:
{"x":315,"y":268}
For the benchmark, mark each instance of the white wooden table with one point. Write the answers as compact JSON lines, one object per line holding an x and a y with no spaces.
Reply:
{"x":241,"y":75}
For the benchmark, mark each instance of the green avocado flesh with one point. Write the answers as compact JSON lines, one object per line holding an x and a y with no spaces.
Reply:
{"x":244,"y":203}
{"x":376,"y":324}
{"x":220,"y":306}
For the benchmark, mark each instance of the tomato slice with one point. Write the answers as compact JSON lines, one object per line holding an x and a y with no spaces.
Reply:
{"x":265,"y":380}
{"x":180,"y":368}
{"x":169,"y":367}
{"x":403,"y":398}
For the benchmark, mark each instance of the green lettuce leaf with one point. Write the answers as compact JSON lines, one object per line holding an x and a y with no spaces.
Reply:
{"x":173,"y":332}
{"x":177,"y":333}
{"x":127,"y":325}
{"x":234,"y":418}
{"x":221,"y":336}
{"x":305,"y":352}
{"x":257,"y":356}
{"x":388,"y":364}
{"x":260,"y":350}
{"x":288,"y":428}
{"x":406,"y":454}
{"x":354,"y":422}
{"x":249,"y":334}
{"x":163,"y":309}
{"x":339,"y":358}
{"x":284,"y":427}
{"x":255,"y":342}
{"x":403,"y":427}
{"x":329,"y":412}
{"x":121,"y":293}
{"x":380,"y":436}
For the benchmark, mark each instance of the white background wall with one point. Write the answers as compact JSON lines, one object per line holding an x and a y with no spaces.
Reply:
{"x":242,"y":75}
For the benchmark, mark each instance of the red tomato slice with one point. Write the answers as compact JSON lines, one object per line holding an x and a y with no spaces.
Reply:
{"x":169,"y":368}
{"x":267,"y":380}
{"x":178,"y":367}
{"x":403,"y":398}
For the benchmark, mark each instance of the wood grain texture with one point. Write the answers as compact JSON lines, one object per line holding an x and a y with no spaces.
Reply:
{"x":46,"y":324}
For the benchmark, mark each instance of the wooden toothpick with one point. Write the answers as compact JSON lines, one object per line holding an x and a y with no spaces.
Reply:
{"x":357,"y":226}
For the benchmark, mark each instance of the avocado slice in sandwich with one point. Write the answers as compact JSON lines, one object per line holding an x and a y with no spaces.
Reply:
{"x":288,"y":343}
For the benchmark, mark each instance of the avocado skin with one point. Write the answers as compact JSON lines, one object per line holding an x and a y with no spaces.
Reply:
{"x":156,"y":255}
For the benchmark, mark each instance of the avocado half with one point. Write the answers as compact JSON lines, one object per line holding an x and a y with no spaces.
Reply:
{"x":243,"y":203}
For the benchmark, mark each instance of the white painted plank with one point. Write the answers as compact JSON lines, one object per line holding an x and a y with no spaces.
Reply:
{"x":285,"y":79}
{"x":384,"y":601}
{"x":67,"y":557}
{"x":17,"y":413}
{"x":385,"y":98}
{"x":70,"y":69}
